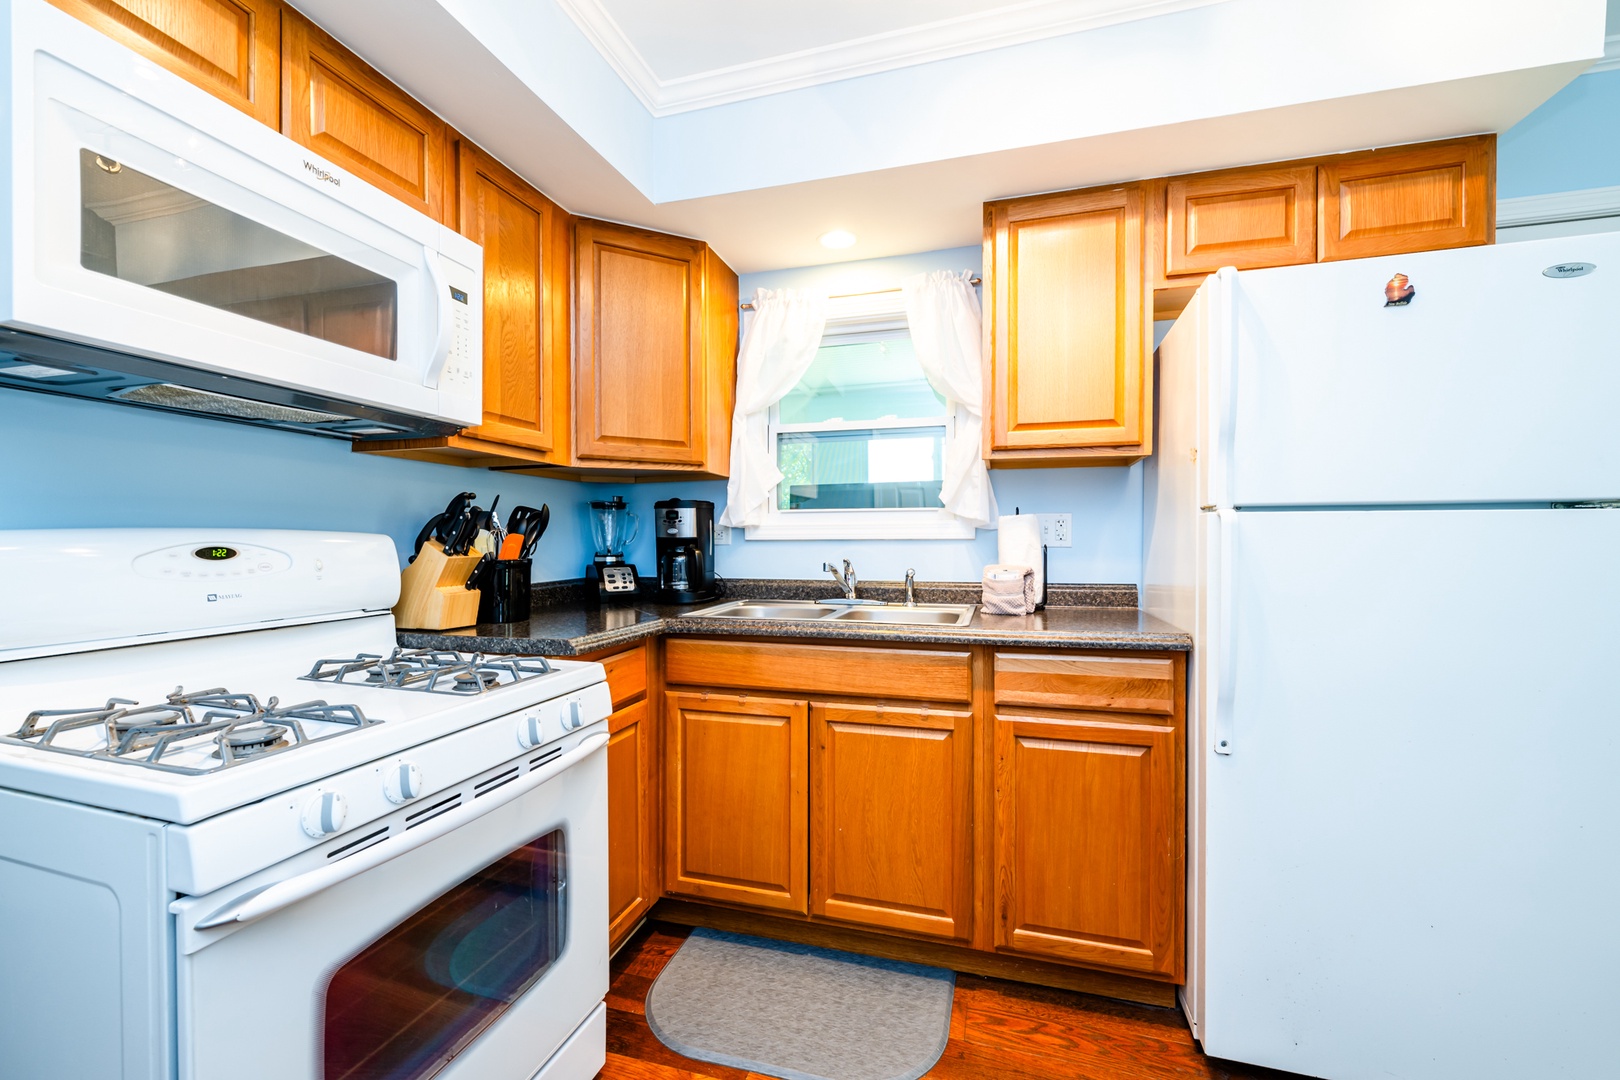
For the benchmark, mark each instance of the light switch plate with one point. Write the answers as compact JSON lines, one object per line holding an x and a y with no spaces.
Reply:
{"x":1057,"y":530}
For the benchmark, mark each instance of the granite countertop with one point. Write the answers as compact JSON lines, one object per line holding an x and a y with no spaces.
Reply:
{"x":565,"y":623}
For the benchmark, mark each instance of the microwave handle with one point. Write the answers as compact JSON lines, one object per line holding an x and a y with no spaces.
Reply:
{"x":259,"y":903}
{"x":444,"y":327}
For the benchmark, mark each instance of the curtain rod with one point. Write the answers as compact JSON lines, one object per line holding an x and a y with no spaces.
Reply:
{"x":848,"y":295}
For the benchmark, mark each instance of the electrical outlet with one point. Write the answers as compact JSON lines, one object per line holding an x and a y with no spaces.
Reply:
{"x":1057,"y":530}
{"x":722,"y":535}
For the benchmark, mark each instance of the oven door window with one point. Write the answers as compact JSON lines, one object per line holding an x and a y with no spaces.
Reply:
{"x":139,"y":229}
{"x":407,"y":1004}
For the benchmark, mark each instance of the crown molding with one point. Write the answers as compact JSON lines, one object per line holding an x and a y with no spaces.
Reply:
{"x":1611,"y":55}
{"x":1013,"y":24}
{"x":1558,"y":206}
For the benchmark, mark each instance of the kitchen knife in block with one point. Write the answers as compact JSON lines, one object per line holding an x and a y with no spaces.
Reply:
{"x":433,"y":593}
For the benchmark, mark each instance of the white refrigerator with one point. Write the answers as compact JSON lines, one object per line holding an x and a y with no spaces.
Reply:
{"x":1392,"y":533}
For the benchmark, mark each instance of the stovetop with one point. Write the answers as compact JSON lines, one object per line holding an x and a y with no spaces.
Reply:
{"x":182,"y":730}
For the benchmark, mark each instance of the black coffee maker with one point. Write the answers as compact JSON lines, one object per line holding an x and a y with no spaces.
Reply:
{"x":685,"y":531}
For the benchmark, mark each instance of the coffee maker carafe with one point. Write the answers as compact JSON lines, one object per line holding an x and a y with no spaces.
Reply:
{"x":613,"y":527}
{"x":685,"y":550}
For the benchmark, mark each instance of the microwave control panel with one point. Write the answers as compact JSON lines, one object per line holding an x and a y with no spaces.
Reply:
{"x":462,"y":366}
{"x":192,"y":562}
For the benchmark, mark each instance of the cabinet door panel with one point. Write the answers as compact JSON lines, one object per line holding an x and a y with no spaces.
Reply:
{"x":1068,"y":321}
{"x":345,"y":111}
{"x":227,"y":47}
{"x":1387,"y":202}
{"x":1245,"y":218}
{"x":1088,"y":837}
{"x":639,"y":393}
{"x":891,"y":812}
{"x":525,"y":241}
{"x":631,"y":888}
{"x":737,"y":809}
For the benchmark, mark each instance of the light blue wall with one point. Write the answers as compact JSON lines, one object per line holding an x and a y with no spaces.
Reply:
{"x":72,"y":463}
{"x":1570,"y":143}
{"x":1106,"y":502}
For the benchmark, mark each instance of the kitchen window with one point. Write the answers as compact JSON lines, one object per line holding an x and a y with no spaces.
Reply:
{"x":861,"y":440}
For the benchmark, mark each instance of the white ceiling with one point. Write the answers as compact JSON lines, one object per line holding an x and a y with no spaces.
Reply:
{"x":905,"y":157}
{"x":698,"y":53}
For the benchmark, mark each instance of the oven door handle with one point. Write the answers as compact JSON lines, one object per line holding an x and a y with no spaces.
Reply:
{"x":272,"y":898}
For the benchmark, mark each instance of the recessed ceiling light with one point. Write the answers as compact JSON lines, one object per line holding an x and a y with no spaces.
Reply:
{"x":838,"y":238}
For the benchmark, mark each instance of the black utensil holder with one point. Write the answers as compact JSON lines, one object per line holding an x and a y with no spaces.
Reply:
{"x":503,"y":591}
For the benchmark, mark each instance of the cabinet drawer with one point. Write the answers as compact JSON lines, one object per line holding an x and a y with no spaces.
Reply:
{"x":626,"y":675}
{"x":908,"y":674}
{"x":1126,"y":684}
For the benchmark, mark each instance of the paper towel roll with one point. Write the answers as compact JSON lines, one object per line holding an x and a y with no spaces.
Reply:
{"x":1018,"y":543}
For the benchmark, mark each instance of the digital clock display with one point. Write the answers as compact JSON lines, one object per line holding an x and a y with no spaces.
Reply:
{"x":215,"y":554}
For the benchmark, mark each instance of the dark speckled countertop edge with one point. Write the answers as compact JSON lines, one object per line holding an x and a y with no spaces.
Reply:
{"x":564,"y":624}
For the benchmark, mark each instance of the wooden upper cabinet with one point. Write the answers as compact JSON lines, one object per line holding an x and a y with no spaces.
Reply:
{"x":1244,"y":218}
{"x":343,"y":109}
{"x":1066,"y":327}
{"x":525,"y":241}
{"x":1409,"y":198}
{"x":228,"y":47}
{"x":651,"y":356}
{"x":736,"y":799}
{"x":891,"y":817}
{"x":1089,"y":840}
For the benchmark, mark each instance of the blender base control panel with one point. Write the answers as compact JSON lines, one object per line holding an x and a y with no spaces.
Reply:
{"x":618,"y":579}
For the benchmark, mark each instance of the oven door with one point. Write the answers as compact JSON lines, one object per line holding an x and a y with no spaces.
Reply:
{"x":149,"y":218}
{"x":472,"y":956}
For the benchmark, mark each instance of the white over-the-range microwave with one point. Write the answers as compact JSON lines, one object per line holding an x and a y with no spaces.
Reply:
{"x":162,"y":249}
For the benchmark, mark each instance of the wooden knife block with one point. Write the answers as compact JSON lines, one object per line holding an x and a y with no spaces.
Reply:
{"x":433,"y":593}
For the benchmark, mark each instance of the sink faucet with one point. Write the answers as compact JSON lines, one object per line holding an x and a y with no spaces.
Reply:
{"x":911,"y":588}
{"x":846,"y":580}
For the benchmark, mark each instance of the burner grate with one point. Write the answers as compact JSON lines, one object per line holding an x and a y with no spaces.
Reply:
{"x":440,"y":671}
{"x":237,"y":726}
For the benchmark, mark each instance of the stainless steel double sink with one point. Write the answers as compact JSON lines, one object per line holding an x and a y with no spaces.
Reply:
{"x":810,"y":611}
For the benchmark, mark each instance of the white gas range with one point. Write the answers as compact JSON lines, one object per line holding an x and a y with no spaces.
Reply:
{"x":394,"y":859}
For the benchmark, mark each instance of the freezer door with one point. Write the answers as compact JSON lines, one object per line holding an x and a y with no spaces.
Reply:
{"x":1495,"y":383}
{"x":1411,"y":853}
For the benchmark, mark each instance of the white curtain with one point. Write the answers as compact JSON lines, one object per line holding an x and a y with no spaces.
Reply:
{"x":943,"y":312}
{"x":781,"y":341}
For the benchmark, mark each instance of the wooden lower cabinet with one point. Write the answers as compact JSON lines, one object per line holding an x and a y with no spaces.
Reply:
{"x":736,"y":813}
{"x":1090,"y":839}
{"x":1034,"y":809}
{"x":891,"y":817}
{"x":632,"y":787}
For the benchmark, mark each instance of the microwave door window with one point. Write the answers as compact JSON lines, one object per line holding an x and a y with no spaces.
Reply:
{"x":411,"y":1001}
{"x":142,"y":230}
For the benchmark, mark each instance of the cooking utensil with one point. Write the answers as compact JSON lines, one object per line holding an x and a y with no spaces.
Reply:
{"x":438,"y":525}
{"x":532,"y":537}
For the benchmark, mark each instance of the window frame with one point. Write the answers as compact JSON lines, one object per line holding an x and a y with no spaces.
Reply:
{"x":851,"y":319}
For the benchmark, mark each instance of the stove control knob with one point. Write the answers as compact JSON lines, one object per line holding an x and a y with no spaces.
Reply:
{"x":531,"y":730}
{"x":402,"y":783}
{"x":324,"y":814}
{"x":576,"y":716}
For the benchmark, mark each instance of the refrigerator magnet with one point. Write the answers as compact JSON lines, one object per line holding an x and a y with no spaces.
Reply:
{"x":1399,"y":291}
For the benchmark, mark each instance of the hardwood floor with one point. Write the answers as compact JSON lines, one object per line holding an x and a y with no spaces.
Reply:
{"x":999,"y":1031}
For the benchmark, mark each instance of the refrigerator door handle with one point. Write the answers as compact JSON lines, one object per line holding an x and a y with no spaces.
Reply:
{"x":1225,"y":310}
{"x":1226,"y":662}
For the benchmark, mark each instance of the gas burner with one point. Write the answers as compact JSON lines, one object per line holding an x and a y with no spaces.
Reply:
{"x":226,"y":728}
{"x":475,"y":681}
{"x":246,"y":739}
{"x":440,"y":671}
